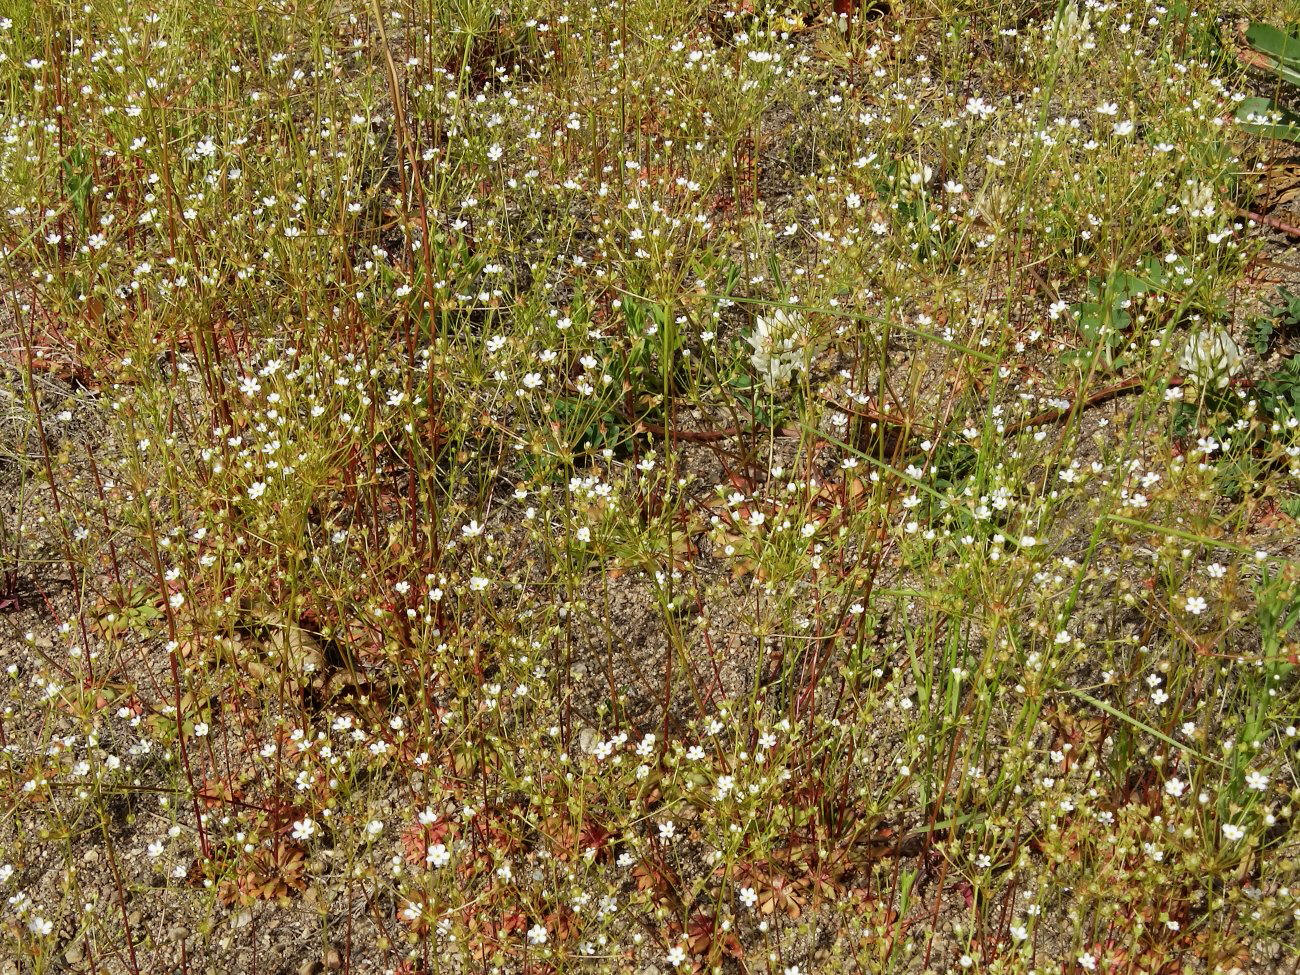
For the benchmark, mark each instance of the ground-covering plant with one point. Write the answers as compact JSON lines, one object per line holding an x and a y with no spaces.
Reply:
{"x":659,"y":487}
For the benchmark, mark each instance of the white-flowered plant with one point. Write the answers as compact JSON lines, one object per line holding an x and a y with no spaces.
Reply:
{"x":1073,"y":30}
{"x":1211,"y":358}
{"x":396,"y":554}
{"x":779,"y":343}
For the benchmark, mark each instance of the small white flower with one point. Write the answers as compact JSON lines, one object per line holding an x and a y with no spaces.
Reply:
{"x":303,"y":829}
{"x":438,"y":856}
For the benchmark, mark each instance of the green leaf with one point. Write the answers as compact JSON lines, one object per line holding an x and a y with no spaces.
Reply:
{"x":76,"y":179}
{"x":1283,"y":124}
{"x":1261,"y":335}
{"x":1271,"y":42}
{"x":1285,"y":72}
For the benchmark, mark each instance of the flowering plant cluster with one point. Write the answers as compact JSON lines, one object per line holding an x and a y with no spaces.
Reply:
{"x":677,"y":487}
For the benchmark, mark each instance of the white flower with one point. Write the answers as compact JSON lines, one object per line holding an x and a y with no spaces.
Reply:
{"x":1198,"y":198}
{"x":1073,"y":32}
{"x":748,"y":896}
{"x":1233,"y":832}
{"x":304,"y":828}
{"x":537,"y":934}
{"x":1175,"y":787}
{"x":1211,"y":357}
{"x":438,"y":855}
{"x":676,"y":956}
{"x":256,"y":490}
{"x":776,"y":341}
{"x":1257,"y":781}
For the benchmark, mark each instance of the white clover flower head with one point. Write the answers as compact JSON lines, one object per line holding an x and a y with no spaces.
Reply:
{"x":1211,"y":358}
{"x":1198,"y":198}
{"x":1073,"y":31}
{"x":777,"y":341}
